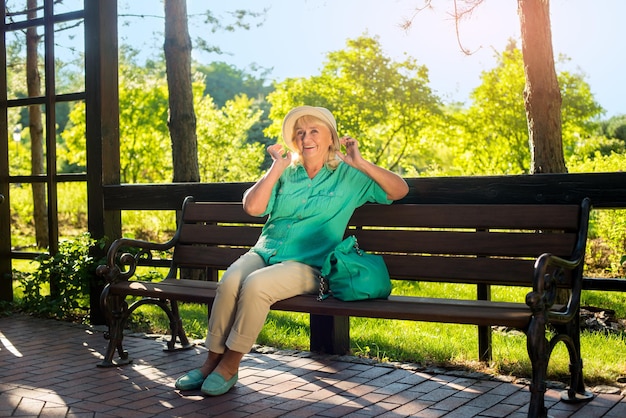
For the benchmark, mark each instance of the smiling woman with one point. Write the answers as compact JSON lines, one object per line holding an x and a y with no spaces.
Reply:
{"x":308,"y":204}
{"x":311,"y":133}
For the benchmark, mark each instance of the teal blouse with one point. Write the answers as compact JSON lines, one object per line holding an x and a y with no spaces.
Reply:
{"x":308,"y":217}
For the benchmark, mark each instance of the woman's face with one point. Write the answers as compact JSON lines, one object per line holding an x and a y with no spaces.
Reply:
{"x":313,"y":139}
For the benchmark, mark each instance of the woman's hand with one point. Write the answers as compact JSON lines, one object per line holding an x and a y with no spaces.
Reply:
{"x":280,"y":156}
{"x":256,"y":198}
{"x":352,"y":156}
{"x":394,"y":185}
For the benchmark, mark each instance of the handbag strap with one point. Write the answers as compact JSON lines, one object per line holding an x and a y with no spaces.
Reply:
{"x":358,"y":249}
{"x":324,"y":289}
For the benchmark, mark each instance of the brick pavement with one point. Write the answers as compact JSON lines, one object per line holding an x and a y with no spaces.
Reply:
{"x":48,"y":369}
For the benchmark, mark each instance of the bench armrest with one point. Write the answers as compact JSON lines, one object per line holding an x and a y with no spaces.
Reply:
{"x":545,"y":285}
{"x":121,"y":264}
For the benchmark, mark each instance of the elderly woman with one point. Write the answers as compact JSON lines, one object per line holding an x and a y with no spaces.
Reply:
{"x":309,"y":194}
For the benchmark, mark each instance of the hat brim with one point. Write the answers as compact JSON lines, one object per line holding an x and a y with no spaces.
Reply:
{"x":296,"y":113}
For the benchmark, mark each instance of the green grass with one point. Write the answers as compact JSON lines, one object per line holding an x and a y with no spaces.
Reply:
{"x":447,"y":345}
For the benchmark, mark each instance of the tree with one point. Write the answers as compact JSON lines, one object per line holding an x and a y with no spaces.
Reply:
{"x":225,"y":82}
{"x":177,"y":48}
{"x":33,"y":81}
{"x":182,"y":118}
{"x":145,"y":152}
{"x":615,"y":127}
{"x":494,"y":139}
{"x":225,"y":155}
{"x":542,"y":99}
{"x":386,"y":105}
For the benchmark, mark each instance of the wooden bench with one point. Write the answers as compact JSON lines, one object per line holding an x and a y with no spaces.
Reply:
{"x":535,"y":245}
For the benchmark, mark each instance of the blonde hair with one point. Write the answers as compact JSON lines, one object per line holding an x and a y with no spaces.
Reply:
{"x":332,"y":161}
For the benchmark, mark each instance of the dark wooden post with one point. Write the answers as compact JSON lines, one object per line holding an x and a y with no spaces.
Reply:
{"x":102,"y":126}
{"x":330,"y":334}
{"x":485,"y":353}
{"x":6,"y":280}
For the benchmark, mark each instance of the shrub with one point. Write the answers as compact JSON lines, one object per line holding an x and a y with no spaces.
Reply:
{"x":606,"y":247}
{"x":59,"y":287}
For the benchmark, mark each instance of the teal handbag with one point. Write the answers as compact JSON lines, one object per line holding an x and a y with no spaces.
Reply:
{"x":350,"y":274}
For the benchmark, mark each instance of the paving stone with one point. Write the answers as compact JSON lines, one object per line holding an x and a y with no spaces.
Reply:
{"x":50,"y":371}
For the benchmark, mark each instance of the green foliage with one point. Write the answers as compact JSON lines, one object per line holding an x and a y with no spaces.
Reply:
{"x":145,"y":152}
{"x":59,"y":287}
{"x":145,"y":148}
{"x":493,"y":131}
{"x":386,"y":105}
{"x":615,"y":127}
{"x":496,"y":139}
{"x":224,"y":82}
{"x":607,"y":244}
{"x":224,"y":154}
{"x":6,"y":308}
{"x":149,"y":225}
{"x":610,"y":226}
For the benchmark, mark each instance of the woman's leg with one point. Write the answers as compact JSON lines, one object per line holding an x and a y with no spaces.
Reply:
{"x":225,"y":305}
{"x":221,"y":318}
{"x":258,"y":292}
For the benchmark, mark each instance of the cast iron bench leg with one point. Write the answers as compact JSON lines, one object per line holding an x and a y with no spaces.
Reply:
{"x":116,"y":311}
{"x":537,"y":344}
{"x":571,"y":337}
{"x":177,"y":330}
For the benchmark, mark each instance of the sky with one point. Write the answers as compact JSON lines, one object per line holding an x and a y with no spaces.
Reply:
{"x":296,"y":36}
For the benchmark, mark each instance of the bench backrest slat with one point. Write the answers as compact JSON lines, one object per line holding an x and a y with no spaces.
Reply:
{"x":223,"y":234}
{"x":201,"y":257}
{"x":496,"y":271}
{"x":220,"y":211}
{"x":470,"y":216}
{"x":514,"y":244}
{"x":491,"y":244}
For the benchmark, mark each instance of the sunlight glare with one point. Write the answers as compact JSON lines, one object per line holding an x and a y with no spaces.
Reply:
{"x":7,"y":344}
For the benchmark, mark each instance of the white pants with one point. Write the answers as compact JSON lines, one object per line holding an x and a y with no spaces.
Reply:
{"x":244,"y":295}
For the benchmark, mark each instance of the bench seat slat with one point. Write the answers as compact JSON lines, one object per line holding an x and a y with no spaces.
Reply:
{"x":396,"y":307}
{"x":474,"y":312}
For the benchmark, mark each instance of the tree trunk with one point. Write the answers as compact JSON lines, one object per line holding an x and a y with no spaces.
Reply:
{"x":33,"y":81}
{"x":542,"y":97}
{"x":182,"y":119}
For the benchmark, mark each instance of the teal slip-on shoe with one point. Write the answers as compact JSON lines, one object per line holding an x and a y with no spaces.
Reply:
{"x":215,"y":384}
{"x":190,"y":381}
